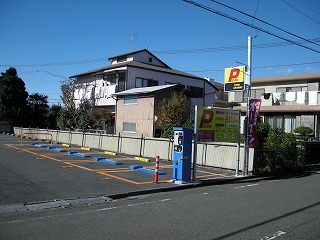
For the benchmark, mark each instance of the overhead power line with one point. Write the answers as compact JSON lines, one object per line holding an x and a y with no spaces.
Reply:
{"x":56,"y":63}
{"x":301,"y":12}
{"x":172,"y":51}
{"x":255,"y":18}
{"x":248,"y":24}
{"x":231,"y":48}
{"x":272,"y":66}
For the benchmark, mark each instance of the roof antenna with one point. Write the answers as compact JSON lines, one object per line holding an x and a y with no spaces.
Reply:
{"x":133,"y":38}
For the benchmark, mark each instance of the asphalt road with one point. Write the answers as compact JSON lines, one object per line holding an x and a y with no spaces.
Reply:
{"x":283,"y":208}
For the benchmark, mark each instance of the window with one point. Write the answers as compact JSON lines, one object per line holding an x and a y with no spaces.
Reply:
{"x":257,"y":93}
{"x":122,"y":59}
{"x":129,"y":127}
{"x":197,"y":91}
{"x":143,"y":82}
{"x":286,"y":122}
{"x":275,"y":121}
{"x":130,"y":100}
{"x":116,"y":79}
{"x":112,"y":79}
{"x":243,"y":96}
{"x":150,"y":59}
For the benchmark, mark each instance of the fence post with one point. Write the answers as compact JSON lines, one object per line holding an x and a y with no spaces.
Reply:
{"x":156,"y":171}
{"x":141,"y":142}
{"x":83,"y":139}
{"x":118,"y":149}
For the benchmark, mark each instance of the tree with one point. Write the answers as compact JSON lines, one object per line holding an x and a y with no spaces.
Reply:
{"x":66,"y":119}
{"x":173,"y":112}
{"x":76,"y":118}
{"x":52,"y":116}
{"x":303,"y":132}
{"x":232,"y":104}
{"x":100,"y":117}
{"x":263,"y":130}
{"x":13,"y":98}
{"x":67,"y":88}
{"x":39,"y":109}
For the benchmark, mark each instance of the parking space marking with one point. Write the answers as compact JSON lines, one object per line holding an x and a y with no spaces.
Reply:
{"x":119,"y":178}
{"x":106,"y":172}
{"x":41,"y":155}
{"x":72,"y":163}
{"x":79,"y":161}
{"x":67,"y":166}
{"x":78,"y":166}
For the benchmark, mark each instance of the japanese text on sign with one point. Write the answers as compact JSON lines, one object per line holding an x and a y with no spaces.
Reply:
{"x":254,"y":113}
{"x":218,"y":125}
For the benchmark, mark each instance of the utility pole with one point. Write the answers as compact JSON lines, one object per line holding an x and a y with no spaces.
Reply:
{"x":248,"y":87}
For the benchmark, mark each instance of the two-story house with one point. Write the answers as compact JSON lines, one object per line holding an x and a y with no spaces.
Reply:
{"x":135,"y":70}
{"x":287,"y":101}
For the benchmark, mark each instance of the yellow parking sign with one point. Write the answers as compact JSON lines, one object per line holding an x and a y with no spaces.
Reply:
{"x":234,"y":79}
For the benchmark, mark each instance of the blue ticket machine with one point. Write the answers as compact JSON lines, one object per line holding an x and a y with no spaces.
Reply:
{"x":182,"y":149}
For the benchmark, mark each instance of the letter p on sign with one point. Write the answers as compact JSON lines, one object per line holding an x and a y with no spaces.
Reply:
{"x":234,"y":74}
{"x":206,"y":118}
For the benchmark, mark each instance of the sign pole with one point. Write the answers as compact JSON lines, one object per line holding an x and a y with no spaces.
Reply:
{"x":238,"y":147}
{"x":195,"y":144}
{"x":246,"y":155}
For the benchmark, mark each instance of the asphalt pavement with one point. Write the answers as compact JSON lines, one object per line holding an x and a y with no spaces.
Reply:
{"x":37,"y":175}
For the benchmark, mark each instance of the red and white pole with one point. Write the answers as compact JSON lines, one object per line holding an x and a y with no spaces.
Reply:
{"x":156,"y":171}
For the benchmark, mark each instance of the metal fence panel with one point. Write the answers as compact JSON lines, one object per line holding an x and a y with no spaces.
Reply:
{"x":110,"y":143}
{"x":130,"y":145}
{"x":77,"y":138}
{"x":92,"y":140}
{"x":63,"y":137}
{"x":156,"y":146}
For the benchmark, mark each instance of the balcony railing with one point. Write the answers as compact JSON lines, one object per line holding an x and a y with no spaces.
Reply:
{"x":291,"y":98}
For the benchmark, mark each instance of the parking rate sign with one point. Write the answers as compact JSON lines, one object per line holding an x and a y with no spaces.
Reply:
{"x":218,"y":125}
{"x":234,"y":79}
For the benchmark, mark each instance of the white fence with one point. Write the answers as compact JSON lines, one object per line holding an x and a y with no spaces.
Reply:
{"x":220,"y":155}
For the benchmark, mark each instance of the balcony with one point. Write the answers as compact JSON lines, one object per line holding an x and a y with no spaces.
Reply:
{"x":307,"y":102}
{"x":310,"y":98}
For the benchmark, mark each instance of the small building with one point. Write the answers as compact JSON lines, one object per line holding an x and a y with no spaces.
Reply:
{"x":137,"y":109}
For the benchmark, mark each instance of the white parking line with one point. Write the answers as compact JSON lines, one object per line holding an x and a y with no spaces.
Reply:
{"x":274,"y":236}
{"x":250,"y":185}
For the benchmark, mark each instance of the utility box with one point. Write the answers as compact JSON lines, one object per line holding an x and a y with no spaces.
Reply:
{"x":182,"y":150}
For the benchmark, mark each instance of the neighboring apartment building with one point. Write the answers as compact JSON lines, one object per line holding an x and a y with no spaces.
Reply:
{"x":135,"y":70}
{"x":287,"y":101}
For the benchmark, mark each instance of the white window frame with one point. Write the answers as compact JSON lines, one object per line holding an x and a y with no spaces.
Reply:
{"x":129,"y":127}
{"x":130,"y":100}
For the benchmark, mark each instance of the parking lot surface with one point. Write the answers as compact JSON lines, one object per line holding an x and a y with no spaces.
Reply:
{"x":38,"y":172}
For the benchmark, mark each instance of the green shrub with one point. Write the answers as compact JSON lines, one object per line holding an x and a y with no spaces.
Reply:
{"x":303,"y":131}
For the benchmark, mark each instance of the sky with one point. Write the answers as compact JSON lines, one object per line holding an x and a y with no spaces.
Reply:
{"x":48,"y":41}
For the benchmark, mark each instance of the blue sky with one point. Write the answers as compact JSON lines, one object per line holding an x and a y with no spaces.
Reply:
{"x":48,"y":41}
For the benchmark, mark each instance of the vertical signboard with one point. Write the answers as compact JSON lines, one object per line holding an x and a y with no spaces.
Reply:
{"x":234,"y":79}
{"x":254,"y":113}
{"x":218,"y":125}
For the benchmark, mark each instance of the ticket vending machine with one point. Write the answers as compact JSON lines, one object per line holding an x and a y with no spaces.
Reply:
{"x":182,"y":150}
